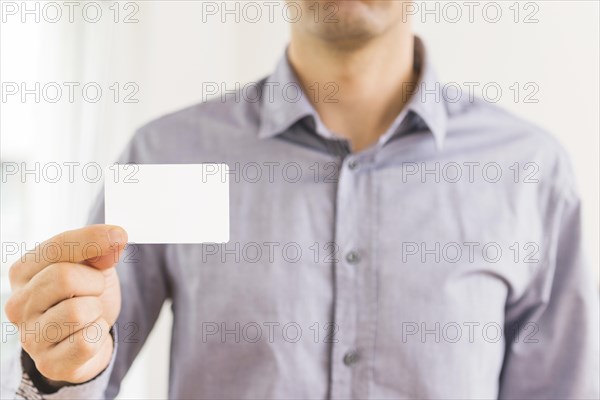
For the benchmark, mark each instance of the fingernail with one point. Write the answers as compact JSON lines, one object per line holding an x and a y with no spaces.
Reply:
{"x":116,"y":235}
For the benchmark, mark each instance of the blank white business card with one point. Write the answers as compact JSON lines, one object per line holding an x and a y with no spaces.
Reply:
{"x":169,"y":203}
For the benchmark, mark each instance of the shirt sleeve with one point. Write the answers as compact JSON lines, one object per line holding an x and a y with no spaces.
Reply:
{"x":24,"y":388}
{"x":554,"y":353}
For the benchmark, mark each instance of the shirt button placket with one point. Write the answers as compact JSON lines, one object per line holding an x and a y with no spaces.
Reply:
{"x":345,"y":357}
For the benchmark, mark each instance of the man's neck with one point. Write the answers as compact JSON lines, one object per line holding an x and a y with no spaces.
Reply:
{"x":357,"y":92}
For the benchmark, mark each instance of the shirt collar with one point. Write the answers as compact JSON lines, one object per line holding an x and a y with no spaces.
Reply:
{"x":283,"y":103}
{"x":427,"y":101}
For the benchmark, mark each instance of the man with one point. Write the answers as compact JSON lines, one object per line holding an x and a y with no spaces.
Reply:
{"x":403,"y":245}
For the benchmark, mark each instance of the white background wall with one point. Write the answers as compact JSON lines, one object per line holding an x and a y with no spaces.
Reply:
{"x":170,"y":51}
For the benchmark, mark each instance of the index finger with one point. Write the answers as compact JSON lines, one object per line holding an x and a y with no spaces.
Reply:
{"x":88,"y":243}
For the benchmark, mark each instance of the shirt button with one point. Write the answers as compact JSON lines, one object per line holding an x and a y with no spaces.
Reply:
{"x":352,"y":164}
{"x":350,"y":358}
{"x":352,"y":257}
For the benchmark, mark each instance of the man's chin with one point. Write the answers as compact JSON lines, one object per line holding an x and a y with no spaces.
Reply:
{"x":350,"y":21}
{"x":348,"y":36}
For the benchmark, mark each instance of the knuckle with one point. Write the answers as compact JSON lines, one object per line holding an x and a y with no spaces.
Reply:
{"x":60,"y":239}
{"x":96,"y":308}
{"x":90,"y":308}
{"x":83,"y":310}
{"x":74,"y":311}
{"x":12,"y":309}
{"x":28,"y":301}
{"x":47,"y":367}
{"x":63,"y":275}
{"x":97,"y":277}
{"x":16,"y":306}
{"x":14,"y":273}
{"x":83,"y":349}
{"x":31,"y":344}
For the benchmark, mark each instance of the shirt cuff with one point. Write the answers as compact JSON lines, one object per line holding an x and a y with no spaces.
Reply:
{"x":93,"y":389}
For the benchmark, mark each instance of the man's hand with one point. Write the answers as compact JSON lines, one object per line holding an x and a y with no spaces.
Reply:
{"x":65,"y":298}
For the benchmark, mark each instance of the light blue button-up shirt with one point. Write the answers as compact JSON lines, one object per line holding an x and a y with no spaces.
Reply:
{"x":444,"y":261}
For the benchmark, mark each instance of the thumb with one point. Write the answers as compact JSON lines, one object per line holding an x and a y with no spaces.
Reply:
{"x":118,"y":241}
